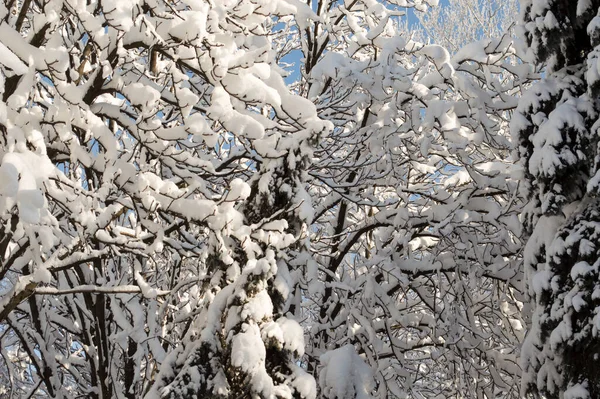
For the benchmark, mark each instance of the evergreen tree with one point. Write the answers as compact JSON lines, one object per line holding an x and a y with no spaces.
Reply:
{"x":556,"y":125}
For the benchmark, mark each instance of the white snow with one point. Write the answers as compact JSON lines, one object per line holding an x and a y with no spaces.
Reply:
{"x":247,"y":349}
{"x":292,"y":334}
{"x":10,"y":60}
{"x":345,"y":374}
{"x":238,"y":190}
{"x":577,"y":391}
{"x":22,"y":175}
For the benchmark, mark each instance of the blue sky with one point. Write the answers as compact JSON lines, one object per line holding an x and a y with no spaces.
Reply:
{"x":412,"y":19}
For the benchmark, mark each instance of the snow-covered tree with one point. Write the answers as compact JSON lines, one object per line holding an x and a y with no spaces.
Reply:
{"x":415,"y":235}
{"x":557,"y":131}
{"x":179,"y":222}
{"x":153,"y":167}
